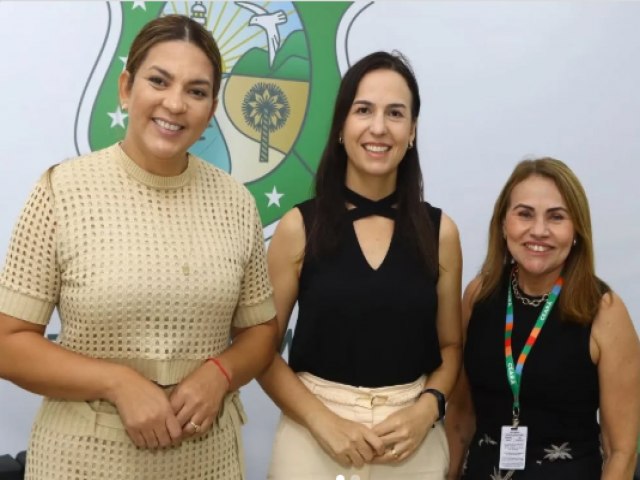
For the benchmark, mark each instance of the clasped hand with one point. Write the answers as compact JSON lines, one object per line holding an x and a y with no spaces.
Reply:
{"x":391,"y":441}
{"x":403,"y":432}
{"x":153,"y":420}
{"x":347,"y":442}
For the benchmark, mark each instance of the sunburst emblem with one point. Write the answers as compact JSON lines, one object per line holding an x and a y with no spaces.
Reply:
{"x":266,"y":109}
{"x":265,"y":43}
{"x":228,"y":25}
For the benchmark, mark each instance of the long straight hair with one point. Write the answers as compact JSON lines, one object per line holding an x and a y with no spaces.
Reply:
{"x":413,"y":222}
{"x":582,"y":290}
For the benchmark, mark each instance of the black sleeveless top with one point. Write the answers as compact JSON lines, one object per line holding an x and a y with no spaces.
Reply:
{"x":361,"y":326}
{"x":559,"y":393}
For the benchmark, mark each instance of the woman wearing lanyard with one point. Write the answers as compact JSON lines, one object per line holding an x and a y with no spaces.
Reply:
{"x":547,"y":344}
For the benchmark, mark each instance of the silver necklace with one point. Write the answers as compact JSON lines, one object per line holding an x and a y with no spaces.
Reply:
{"x":530,"y":302}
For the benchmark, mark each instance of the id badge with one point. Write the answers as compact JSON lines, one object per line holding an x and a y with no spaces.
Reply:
{"x":513,"y":448}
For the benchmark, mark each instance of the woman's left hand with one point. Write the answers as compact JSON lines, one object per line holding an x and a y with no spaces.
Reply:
{"x":197,"y":399}
{"x":403,"y":431}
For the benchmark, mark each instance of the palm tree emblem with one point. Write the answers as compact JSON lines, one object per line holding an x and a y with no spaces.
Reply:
{"x":486,"y":440}
{"x":266,"y":109}
{"x":498,"y":476}
{"x":561,"y":452}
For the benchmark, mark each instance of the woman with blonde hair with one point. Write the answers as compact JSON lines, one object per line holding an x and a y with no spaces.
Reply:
{"x":547,"y":345}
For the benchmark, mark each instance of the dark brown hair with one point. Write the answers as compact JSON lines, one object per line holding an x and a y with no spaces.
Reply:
{"x":582,"y":290}
{"x":412,"y":221}
{"x":169,"y":28}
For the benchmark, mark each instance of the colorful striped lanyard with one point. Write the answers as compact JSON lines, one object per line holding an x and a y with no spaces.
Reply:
{"x":514,"y":372}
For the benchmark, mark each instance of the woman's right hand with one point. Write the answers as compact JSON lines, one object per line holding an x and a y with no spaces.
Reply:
{"x":31,"y":361}
{"x":347,"y":442}
{"x":145,"y":411}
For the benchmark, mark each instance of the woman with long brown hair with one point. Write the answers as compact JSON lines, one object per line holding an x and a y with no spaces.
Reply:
{"x":547,"y":345}
{"x":376,"y":274}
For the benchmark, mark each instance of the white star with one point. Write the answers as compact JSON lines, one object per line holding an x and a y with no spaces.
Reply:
{"x":117,"y":117}
{"x":139,"y":5}
{"x":124,"y":62}
{"x":274,"y":197}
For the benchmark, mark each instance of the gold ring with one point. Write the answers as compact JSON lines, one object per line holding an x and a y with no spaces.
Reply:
{"x":394,"y":453}
{"x":195,"y":426}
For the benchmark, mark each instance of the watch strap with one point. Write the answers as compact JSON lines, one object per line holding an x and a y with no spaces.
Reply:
{"x":439,"y":397}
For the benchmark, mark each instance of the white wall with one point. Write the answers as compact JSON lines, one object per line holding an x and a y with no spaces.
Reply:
{"x":500,"y":81}
{"x":45,"y":64}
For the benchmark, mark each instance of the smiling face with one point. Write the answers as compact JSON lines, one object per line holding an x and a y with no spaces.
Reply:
{"x":538,"y":230}
{"x":170,"y":103}
{"x":378,"y":128}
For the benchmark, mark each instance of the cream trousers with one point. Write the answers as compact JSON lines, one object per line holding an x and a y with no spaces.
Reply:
{"x":297,"y":456}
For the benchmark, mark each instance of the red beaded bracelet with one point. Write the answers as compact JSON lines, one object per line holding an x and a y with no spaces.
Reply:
{"x":221,"y":368}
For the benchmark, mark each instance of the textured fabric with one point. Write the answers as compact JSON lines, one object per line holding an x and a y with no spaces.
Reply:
{"x":297,"y":455}
{"x":86,"y":440}
{"x":559,"y":393}
{"x":361,"y":326}
{"x":146,"y":271}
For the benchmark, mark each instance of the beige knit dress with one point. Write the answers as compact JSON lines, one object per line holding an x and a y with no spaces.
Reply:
{"x":146,"y":271}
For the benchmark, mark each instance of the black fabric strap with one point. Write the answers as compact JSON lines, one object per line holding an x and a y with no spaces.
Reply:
{"x":440,"y":399}
{"x":366,"y":208}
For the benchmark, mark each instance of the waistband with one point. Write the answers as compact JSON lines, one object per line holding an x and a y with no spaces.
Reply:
{"x":395,"y":395}
{"x":100,"y":418}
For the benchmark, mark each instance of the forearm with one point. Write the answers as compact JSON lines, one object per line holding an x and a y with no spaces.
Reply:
{"x":445,"y":376}
{"x":460,"y":427}
{"x":289,"y":393}
{"x":457,"y":454}
{"x":619,"y":466}
{"x":44,"y":367}
{"x":249,"y":354}
{"x":442,"y":379}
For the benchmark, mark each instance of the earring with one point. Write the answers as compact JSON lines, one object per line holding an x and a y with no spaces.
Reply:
{"x":574,"y":242}
{"x":340,"y":139}
{"x":410,"y":144}
{"x":125,"y":106}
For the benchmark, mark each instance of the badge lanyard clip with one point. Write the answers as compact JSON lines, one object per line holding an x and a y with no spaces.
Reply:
{"x":516,"y":417}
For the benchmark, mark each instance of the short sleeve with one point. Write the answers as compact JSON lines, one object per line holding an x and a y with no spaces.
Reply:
{"x":255,"y":304}
{"x":30,"y":279}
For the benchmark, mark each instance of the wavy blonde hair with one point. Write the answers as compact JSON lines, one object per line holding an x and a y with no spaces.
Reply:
{"x":582,"y":290}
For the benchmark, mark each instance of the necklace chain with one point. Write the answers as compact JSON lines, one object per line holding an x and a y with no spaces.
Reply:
{"x":530,"y":302}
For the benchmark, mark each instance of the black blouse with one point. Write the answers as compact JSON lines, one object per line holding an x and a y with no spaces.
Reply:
{"x":559,"y":395}
{"x":361,"y":326}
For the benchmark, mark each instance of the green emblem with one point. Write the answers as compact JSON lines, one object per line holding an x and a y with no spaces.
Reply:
{"x":270,"y":126}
